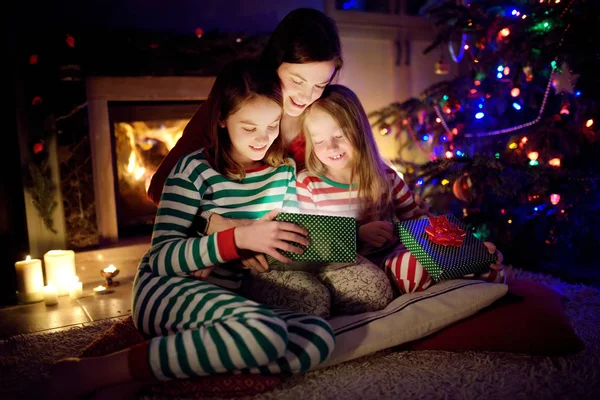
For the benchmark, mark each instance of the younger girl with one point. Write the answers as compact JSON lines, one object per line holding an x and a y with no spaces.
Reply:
{"x":202,"y":327}
{"x":346,"y":176}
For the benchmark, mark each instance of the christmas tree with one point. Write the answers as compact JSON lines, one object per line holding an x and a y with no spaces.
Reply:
{"x":513,"y":141}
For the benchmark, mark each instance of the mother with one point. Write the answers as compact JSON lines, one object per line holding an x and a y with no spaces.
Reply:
{"x":305,"y":51}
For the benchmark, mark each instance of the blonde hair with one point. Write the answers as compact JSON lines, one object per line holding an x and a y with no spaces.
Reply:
{"x":369,"y":173}
{"x":238,"y":83}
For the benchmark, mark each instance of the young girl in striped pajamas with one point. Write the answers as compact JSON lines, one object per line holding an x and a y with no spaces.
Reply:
{"x":346,"y":176}
{"x":202,"y":326}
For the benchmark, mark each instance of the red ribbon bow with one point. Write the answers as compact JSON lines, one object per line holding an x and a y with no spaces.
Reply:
{"x":441,"y":231}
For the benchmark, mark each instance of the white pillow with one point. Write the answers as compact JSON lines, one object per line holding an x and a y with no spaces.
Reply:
{"x":410,"y":317}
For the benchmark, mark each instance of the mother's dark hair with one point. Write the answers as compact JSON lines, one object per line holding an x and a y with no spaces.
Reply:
{"x":305,"y":35}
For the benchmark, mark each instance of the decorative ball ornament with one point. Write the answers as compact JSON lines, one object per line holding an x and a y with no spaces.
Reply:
{"x":199,"y":32}
{"x":442,"y":67}
{"x":38,"y":147}
{"x":564,"y":81}
{"x":70,"y":41}
{"x":462,"y":188}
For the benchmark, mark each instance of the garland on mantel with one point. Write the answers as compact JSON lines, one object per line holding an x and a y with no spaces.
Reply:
{"x":54,"y":81}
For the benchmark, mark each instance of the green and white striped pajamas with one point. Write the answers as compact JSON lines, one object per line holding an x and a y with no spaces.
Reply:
{"x":204,"y":327}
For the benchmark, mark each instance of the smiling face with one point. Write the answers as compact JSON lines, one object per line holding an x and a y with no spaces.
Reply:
{"x":302,"y":84}
{"x":252,"y":129}
{"x":330,"y":144}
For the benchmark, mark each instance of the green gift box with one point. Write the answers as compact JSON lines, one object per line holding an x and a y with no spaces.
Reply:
{"x":446,"y":261}
{"x":332,"y":239}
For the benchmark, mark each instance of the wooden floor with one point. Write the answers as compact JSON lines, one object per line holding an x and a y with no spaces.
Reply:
{"x":38,"y":317}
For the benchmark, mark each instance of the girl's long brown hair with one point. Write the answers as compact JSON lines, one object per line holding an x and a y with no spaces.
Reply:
{"x":369,"y":172}
{"x":239,"y":82}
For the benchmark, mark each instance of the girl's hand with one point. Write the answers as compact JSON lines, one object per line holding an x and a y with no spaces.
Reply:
{"x":498,"y":266}
{"x":376,"y":233}
{"x":202,"y":274}
{"x":266,"y":236}
{"x":422,"y":209}
{"x":255,"y":262}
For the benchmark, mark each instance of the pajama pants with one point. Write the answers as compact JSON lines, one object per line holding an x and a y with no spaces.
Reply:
{"x":409,"y":275}
{"x":329,"y":290}
{"x":199,"y":328}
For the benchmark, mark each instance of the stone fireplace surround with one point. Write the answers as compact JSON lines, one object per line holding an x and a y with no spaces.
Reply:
{"x":100,"y":90}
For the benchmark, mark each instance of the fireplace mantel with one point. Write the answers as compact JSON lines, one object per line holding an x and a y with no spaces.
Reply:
{"x":99,"y":91}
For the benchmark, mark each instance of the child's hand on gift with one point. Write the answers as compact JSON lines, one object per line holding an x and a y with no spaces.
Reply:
{"x":268,"y":236}
{"x":498,"y":266}
{"x":376,"y":233}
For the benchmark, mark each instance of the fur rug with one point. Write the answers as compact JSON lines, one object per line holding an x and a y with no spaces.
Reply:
{"x":390,"y":374}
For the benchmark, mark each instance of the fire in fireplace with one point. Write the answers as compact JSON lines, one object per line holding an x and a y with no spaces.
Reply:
{"x":143,"y":134}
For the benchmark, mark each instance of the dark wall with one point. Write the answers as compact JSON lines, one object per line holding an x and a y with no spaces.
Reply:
{"x":13,"y":226}
{"x":173,"y":16}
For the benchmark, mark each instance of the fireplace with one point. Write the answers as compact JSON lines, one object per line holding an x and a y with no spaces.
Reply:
{"x":133,"y":122}
{"x":142,"y":135}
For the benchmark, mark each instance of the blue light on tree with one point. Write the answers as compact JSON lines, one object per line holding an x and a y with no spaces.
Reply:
{"x":479,"y":115}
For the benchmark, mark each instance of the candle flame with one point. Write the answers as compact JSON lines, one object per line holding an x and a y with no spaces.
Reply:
{"x":99,"y":288}
{"x":28,"y":258}
{"x":110,"y":269}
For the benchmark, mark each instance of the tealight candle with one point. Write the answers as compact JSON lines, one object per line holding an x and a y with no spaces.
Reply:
{"x":30,"y":280}
{"x":110,"y":269}
{"x":50,"y":294}
{"x":99,"y":289}
{"x":76,"y":289}
{"x":60,"y":269}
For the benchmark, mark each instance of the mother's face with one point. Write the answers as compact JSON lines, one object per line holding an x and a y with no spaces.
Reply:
{"x":302,"y":84}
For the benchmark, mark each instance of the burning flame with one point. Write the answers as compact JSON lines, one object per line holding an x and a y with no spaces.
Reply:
{"x":142,"y":136}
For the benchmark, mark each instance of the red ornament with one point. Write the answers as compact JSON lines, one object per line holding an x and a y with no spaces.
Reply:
{"x":462,"y":188}
{"x":33,"y":59}
{"x":38,"y":147}
{"x":70,"y":41}
{"x":199,"y":32}
{"x":37,"y":100}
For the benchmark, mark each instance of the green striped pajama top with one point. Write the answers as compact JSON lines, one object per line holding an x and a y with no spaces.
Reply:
{"x":194,"y":184}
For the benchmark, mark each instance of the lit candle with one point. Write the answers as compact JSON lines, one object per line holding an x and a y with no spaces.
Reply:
{"x":30,"y":280}
{"x":76,"y":289}
{"x":99,"y":289}
{"x":50,"y":294}
{"x":110,"y":269}
{"x":60,"y":269}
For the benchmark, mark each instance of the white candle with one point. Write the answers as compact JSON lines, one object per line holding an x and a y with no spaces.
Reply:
{"x":60,"y":269}
{"x":30,"y":280}
{"x":76,"y":289}
{"x":99,"y":289}
{"x":50,"y":294}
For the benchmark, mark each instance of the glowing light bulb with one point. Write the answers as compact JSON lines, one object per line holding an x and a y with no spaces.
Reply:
{"x":449,"y":154}
{"x":524,"y":139}
{"x":512,"y":146}
{"x":505,"y":32}
{"x":555,"y":162}
{"x":554,"y":198}
{"x":479,"y":115}
{"x":589,"y":123}
{"x":466,"y":47}
{"x":506,"y":70}
{"x":515,"y":92}
{"x":445,"y":182}
{"x":533,"y":155}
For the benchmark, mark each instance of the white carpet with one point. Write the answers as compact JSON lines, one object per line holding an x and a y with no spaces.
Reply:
{"x":24,"y":361}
